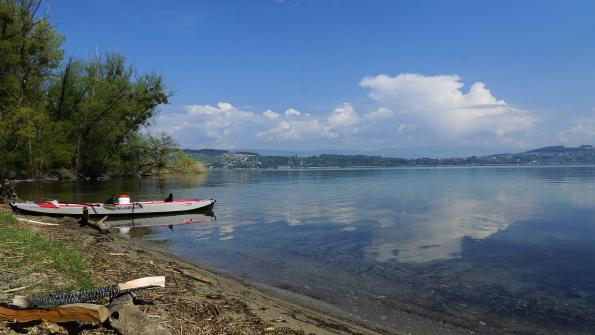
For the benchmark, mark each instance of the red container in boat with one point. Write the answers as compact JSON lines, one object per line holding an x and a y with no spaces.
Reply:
{"x":123,"y":199}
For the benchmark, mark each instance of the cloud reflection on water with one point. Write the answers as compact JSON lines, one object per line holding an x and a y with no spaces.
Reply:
{"x":438,"y":233}
{"x":415,"y":215}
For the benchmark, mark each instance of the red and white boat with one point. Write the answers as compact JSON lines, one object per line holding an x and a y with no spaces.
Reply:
{"x":123,"y":207}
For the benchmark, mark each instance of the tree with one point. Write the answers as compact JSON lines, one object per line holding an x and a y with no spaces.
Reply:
{"x":103,"y":103}
{"x":29,"y":54}
{"x":146,"y":155}
{"x":83,"y":115}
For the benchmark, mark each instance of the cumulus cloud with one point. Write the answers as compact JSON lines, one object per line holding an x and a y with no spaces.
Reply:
{"x":343,"y":116}
{"x":439,"y":103}
{"x":269,"y":114}
{"x":408,"y":109}
{"x":379,"y":114}
{"x":222,"y":125}
{"x":343,"y":121}
{"x":292,"y":112}
{"x":581,"y":132}
{"x":293,"y":130}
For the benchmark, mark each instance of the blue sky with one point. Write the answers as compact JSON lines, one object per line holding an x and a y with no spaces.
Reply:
{"x":415,"y":77}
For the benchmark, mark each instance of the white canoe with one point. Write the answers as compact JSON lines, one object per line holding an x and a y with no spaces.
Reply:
{"x":135,"y":208}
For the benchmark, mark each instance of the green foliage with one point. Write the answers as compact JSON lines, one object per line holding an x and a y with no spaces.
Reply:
{"x":182,"y":163}
{"x":29,"y":53}
{"x":145,"y":155}
{"x":84,"y":115}
{"x":103,"y":104}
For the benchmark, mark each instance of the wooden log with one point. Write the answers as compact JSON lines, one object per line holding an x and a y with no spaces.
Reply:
{"x":102,"y":220}
{"x":64,"y":313}
{"x":100,"y":225}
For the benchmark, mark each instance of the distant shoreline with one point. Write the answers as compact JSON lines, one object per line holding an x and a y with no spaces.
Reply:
{"x":558,"y":155}
{"x":322,"y":168}
{"x":408,"y":167}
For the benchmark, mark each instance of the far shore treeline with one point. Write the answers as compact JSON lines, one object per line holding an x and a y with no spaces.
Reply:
{"x":73,"y":117}
{"x":553,"y":155}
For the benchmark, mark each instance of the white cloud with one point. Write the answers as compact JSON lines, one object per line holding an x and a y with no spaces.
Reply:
{"x":581,"y":132}
{"x":292,"y":130}
{"x":379,"y":114}
{"x":408,"y":109}
{"x":292,"y":112}
{"x":343,"y":116}
{"x":343,"y":121}
{"x":269,"y":114}
{"x":439,"y":103}
{"x":222,"y":125}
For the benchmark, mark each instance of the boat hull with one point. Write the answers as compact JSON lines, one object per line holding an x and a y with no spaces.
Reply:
{"x":98,"y":209}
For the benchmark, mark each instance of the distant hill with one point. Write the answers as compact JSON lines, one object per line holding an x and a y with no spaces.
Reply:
{"x":558,"y":149}
{"x":552,"y":155}
{"x":206,"y":152}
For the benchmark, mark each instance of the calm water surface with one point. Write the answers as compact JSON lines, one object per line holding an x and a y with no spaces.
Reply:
{"x":489,"y":249}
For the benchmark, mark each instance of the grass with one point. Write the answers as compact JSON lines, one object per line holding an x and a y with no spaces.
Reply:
{"x":25,"y":252}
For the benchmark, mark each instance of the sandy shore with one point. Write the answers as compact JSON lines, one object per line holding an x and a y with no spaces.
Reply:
{"x":199,"y":300}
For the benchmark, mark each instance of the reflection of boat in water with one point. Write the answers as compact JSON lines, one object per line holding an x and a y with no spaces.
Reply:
{"x":126,"y":224}
{"x":122,"y":208}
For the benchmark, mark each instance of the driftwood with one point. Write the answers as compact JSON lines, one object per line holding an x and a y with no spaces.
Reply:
{"x":100,"y":225}
{"x":16,"y":289}
{"x":128,"y":319}
{"x":65,"y":313}
{"x":38,"y":222}
{"x":196,"y":277}
{"x":110,"y":291}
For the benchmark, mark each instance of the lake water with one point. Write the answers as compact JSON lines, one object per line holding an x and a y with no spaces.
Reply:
{"x":489,"y":249}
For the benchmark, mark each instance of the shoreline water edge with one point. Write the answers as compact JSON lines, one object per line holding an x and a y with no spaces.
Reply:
{"x":197,"y":299}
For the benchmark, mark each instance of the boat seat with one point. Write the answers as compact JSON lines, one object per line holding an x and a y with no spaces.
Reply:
{"x":110,"y":201}
{"x":170,"y":198}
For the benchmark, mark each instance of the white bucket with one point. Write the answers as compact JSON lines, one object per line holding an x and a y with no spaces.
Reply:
{"x":123,"y":199}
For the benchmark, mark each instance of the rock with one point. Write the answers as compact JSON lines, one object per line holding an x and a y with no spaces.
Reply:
{"x":128,"y":319}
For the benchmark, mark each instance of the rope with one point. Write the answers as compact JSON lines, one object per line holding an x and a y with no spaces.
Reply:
{"x":75,"y":297}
